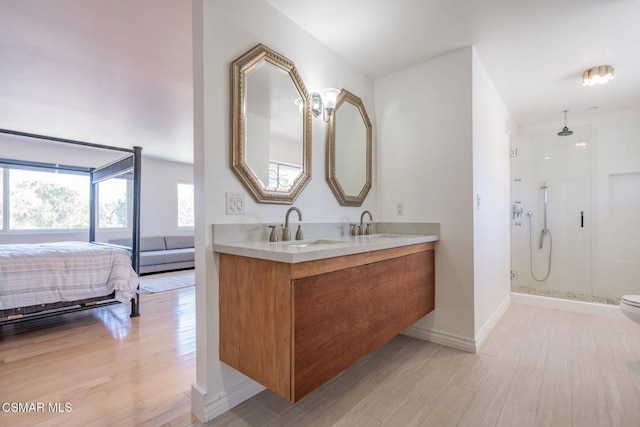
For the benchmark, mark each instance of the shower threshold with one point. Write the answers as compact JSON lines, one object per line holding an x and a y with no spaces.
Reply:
{"x":567,"y":295}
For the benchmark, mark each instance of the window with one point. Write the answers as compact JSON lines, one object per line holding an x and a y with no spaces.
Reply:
{"x":282,"y":176}
{"x":112,"y":203}
{"x":1,"y":199}
{"x":185,"y":205}
{"x":47,"y":200}
{"x":38,"y":200}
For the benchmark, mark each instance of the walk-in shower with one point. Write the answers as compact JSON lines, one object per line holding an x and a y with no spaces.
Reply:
{"x":585,"y":188}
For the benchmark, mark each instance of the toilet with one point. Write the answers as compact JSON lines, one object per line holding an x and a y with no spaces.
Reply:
{"x":630,"y":307}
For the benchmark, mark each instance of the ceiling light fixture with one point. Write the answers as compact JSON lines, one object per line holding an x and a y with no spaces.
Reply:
{"x":600,"y":74}
{"x":324,"y":102}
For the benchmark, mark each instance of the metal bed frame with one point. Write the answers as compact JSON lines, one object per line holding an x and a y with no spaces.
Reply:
{"x":130,"y":163}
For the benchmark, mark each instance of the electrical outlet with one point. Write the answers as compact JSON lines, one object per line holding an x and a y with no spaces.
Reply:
{"x":400,"y":209}
{"x":235,"y":203}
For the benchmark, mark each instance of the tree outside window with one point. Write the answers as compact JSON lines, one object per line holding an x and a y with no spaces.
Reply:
{"x":112,"y":205}
{"x":1,"y":199}
{"x":58,"y":200}
{"x":46,"y":200}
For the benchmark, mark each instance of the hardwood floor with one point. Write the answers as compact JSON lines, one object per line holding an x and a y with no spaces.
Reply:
{"x":111,"y":369}
{"x":539,"y":367}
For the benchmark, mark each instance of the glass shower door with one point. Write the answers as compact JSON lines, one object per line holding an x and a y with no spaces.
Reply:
{"x":551,"y":215}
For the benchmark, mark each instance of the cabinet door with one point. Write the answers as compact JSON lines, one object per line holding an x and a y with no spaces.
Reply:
{"x":420,"y":285}
{"x":255,"y":320}
{"x":386,"y":296}
{"x":323,"y":317}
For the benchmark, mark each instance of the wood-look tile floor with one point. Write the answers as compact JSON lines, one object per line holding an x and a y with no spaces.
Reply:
{"x":538,"y":367}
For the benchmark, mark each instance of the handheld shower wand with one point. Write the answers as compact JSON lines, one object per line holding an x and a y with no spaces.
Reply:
{"x":545,"y":232}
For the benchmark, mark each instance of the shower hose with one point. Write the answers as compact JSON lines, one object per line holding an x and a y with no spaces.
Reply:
{"x":545,"y":231}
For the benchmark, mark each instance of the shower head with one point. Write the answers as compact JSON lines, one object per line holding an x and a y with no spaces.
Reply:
{"x":565,"y":130}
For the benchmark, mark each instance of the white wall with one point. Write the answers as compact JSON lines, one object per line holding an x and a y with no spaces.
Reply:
{"x":443,"y":141}
{"x":424,"y":116}
{"x":243,"y":24}
{"x":159,"y":203}
{"x":491,"y":220}
{"x":223,"y":30}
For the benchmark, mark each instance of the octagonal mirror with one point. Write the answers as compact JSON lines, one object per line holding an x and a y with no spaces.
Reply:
{"x":349,"y":150}
{"x":271,"y":126}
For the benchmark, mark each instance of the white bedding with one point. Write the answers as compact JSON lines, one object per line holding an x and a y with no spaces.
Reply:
{"x":33,"y":274}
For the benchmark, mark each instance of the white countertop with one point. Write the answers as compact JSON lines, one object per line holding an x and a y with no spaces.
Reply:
{"x":295,"y":251}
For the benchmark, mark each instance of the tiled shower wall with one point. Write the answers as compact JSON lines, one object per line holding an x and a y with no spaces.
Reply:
{"x":593,"y":179}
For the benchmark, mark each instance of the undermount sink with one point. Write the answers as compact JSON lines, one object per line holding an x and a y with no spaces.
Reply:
{"x":381,"y":236}
{"x":306,"y":243}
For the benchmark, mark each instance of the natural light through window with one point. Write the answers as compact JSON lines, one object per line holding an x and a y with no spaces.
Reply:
{"x":1,"y":199}
{"x":282,"y":176}
{"x":185,"y":205}
{"x":112,"y":206}
{"x":47,"y":200}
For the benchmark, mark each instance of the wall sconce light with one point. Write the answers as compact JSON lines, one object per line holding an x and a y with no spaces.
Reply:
{"x":600,"y":74}
{"x":324,"y":102}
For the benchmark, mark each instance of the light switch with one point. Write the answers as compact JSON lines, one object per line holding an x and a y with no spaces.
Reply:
{"x":235,"y":203}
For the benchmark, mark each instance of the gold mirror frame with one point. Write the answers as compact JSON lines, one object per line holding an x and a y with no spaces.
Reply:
{"x":338,"y":190}
{"x":239,"y":70}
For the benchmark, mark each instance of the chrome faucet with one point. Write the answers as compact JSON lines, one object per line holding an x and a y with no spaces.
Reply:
{"x":361,"y":229}
{"x":286,"y":233}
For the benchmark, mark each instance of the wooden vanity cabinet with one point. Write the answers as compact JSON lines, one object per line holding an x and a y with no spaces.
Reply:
{"x":293,"y":327}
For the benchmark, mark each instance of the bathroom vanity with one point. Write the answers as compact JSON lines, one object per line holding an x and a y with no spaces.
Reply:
{"x":295,"y":314}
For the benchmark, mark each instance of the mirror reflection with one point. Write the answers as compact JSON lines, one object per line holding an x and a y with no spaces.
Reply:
{"x":349,"y":150}
{"x":274,"y":127}
{"x":271,"y":125}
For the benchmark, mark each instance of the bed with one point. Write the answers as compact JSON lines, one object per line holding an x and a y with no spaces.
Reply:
{"x":50,"y":278}
{"x":36,"y":275}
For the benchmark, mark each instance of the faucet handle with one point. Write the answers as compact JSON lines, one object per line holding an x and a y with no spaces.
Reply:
{"x":299,"y":235}
{"x":286,"y":233}
{"x":367,"y":231}
{"x":273,"y":236}
{"x":354,"y":231}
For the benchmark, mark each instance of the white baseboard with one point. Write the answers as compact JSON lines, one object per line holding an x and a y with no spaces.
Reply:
{"x":442,"y":338}
{"x":206,"y":410}
{"x":492,"y":322}
{"x":594,"y":308}
{"x":456,"y":341}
